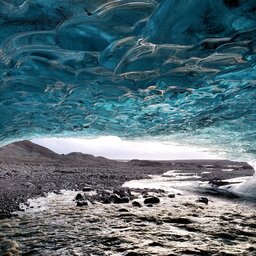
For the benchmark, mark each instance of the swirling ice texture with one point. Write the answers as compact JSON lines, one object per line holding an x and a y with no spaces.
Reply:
{"x":176,"y":69}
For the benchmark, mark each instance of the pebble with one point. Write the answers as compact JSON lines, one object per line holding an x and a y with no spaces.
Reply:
{"x":87,"y":189}
{"x":204,"y":200}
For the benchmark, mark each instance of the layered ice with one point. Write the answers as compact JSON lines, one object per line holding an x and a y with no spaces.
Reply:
{"x":177,"y":69}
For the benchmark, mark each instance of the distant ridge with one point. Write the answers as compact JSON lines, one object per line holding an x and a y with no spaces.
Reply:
{"x":26,"y":149}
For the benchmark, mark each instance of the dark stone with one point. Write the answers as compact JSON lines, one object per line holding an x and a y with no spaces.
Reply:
{"x":180,"y":220}
{"x":82,"y":203}
{"x":155,"y":244}
{"x":119,"y":200}
{"x":123,"y":210}
{"x":191,"y":252}
{"x":152,"y":200}
{"x":160,"y":191}
{"x":87,"y":189}
{"x":171,"y":195}
{"x":225,"y":236}
{"x":136,"y":204}
{"x":115,"y":199}
{"x":149,"y":205}
{"x":126,"y":200}
{"x":4,"y":215}
{"x":57,"y":192}
{"x":203,"y":200}
{"x":79,"y":197}
{"x":122,"y":192}
{"x":106,"y":200}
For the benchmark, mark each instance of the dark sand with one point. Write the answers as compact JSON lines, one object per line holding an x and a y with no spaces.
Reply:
{"x":28,"y":170}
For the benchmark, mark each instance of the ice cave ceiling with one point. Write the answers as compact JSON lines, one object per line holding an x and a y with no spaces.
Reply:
{"x":133,"y":68}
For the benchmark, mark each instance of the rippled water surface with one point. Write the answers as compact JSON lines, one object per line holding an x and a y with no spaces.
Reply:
{"x":177,"y":226}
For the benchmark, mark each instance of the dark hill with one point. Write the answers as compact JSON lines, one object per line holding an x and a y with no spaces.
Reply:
{"x":26,"y":149}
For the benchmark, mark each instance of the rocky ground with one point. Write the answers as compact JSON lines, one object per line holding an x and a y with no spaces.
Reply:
{"x":28,"y":170}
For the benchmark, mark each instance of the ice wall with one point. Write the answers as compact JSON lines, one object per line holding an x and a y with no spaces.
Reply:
{"x":182,"y":69}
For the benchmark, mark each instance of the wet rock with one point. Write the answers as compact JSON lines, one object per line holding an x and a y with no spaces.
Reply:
{"x":180,"y":220}
{"x":106,"y":200}
{"x":204,"y":200}
{"x":152,"y":200}
{"x":119,"y":200}
{"x":160,"y":191}
{"x":149,"y":205}
{"x":192,"y":252}
{"x":4,"y":215}
{"x":144,"y":192}
{"x":123,"y":210}
{"x":87,"y":189}
{"x":116,"y":199}
{"x":103,"y":196}
{"x":125,"y":200}
{"x":251,"y":249}
{"x":57,"y":192}
{"x":225,"y":236}
{"x":155,"y":244}
{"x":171,"y":195}
{"x":82,"y":203}
{"x":79,"y":197}
{"x":122,"y":192}
{"x":136,"y":204}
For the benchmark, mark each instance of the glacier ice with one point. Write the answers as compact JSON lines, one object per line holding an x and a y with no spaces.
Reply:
{"x":182,"y":69}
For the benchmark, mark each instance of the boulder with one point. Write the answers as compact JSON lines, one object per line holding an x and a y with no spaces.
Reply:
{"x":122,"y":192}
{"x":123,"y":210}
{"x":119,"y":200}
{"x":152,"y":200}
{"x":136,"y":204}
{"x":82,"y":203}
{"x":79,"y":197}
{"x":106,"y":200}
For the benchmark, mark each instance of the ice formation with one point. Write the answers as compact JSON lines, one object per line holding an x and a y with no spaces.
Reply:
{"x":132,"y":68}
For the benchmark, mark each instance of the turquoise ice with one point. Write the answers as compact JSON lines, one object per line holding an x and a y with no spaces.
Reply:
{"x":176,"y":69}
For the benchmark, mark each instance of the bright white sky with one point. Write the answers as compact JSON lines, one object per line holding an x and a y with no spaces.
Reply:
{"x":114,"y":148}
